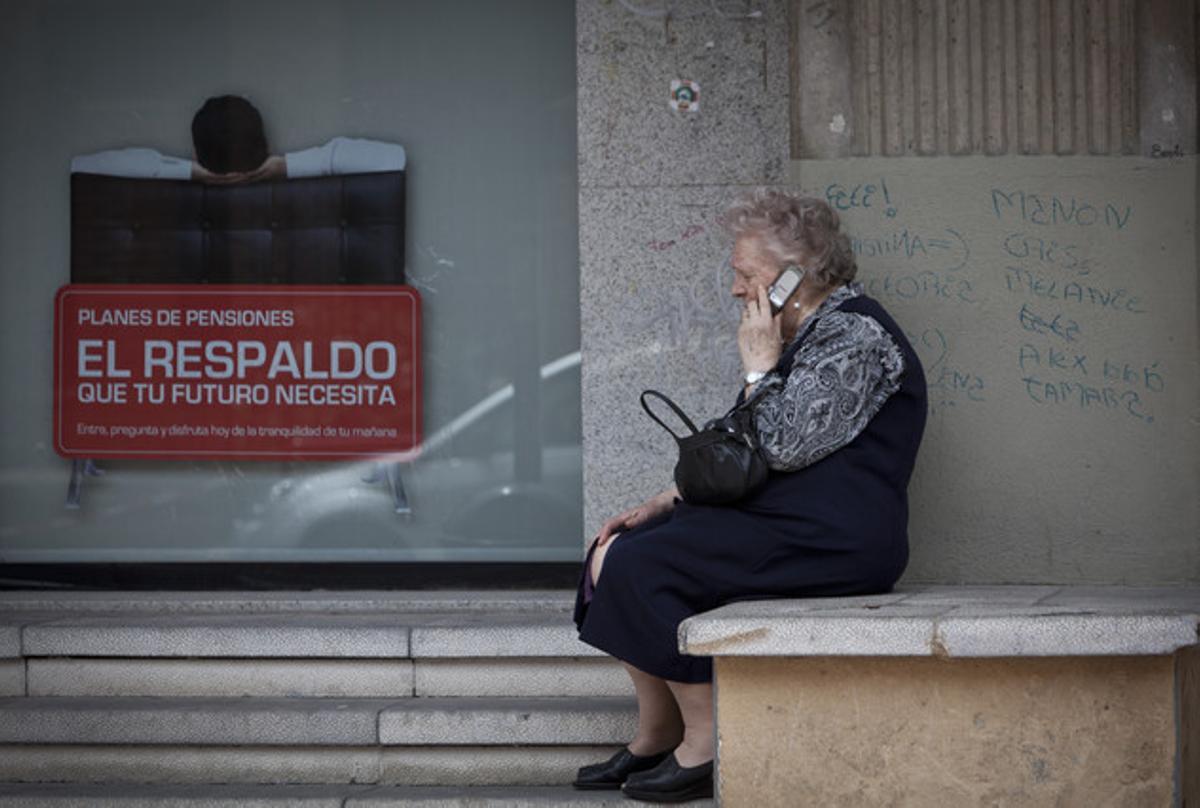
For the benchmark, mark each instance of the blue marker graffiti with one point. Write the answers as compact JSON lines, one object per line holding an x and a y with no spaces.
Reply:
{"x":1053,"y":209}
{"x":863,"y":195}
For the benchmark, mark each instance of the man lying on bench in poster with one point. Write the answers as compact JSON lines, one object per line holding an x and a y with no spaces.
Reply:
{"x":231,"y":147}
{"x":328,"y":250}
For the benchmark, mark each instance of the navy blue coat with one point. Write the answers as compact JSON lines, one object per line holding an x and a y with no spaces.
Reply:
{"x":836,"y":527}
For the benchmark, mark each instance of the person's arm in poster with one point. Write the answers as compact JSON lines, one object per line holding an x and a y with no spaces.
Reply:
{"x":136,"y":163}
{"x":342,"y":155}
{"x":141,"y":163}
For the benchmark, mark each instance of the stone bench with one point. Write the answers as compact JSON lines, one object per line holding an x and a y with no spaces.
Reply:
{"x":958,"y":695}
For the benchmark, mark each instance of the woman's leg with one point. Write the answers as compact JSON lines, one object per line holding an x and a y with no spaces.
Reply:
{"x":660,"y":726}
{"x":667,"y":711}
{"x":696,"y":704}
{"x":598,"y":558}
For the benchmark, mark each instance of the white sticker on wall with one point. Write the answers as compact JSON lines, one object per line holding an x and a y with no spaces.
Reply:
{"x":685,"y":96}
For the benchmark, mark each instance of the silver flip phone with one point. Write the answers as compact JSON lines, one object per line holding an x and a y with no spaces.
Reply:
{"x":785,"y":285}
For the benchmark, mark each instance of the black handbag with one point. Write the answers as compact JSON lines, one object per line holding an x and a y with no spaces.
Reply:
{"x":723,"y":462}
{"x":719,"y":464}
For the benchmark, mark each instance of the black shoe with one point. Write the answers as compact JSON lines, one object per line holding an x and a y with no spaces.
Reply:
{"x":670,"y":782}
{"x":612,"y":772}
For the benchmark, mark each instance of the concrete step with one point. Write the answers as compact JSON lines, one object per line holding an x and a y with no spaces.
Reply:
{"x":299,"y":796}
{"x":330,"y":678}
{"x":266,"y":602}
{"x":352,"y":655}
{"x":308,"y":721}
{"x":395,"y":765}
{"x":465,"y":633}
{"x":270,"y":677}
{"x":12,"y":677}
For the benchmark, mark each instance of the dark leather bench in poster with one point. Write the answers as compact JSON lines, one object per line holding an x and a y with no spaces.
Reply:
{"x":342,"y":229}
{"x":265,"y":320}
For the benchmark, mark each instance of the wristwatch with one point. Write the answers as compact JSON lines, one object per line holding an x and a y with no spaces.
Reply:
{"x":755,"y":376}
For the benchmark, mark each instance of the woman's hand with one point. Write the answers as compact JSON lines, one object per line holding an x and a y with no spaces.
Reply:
{"x":655,"y":506}
{"x":760,"y":337}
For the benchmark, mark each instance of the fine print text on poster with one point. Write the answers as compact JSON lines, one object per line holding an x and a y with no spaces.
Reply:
{"x":217,"y":372}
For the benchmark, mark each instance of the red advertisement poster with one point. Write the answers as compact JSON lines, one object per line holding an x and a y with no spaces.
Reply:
{"x":224,"y":372}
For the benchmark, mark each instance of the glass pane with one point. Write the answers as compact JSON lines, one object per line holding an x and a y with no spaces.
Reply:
{"x":481,"y":96}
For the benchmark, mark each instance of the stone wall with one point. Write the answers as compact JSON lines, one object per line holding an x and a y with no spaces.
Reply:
{"x":655,"y":309}
{"x":1052,"y":301}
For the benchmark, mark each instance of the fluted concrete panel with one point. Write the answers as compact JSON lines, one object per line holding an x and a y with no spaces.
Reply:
{"x":509,"y":721}
{"x":221,"y":677}
{"x":1063,"y":48}
{"x":521,"y":677}
{"x":1029,"y":71}
{"x":958,"y":80}
{"x":938,"y":77}
{"x":991,"y":16}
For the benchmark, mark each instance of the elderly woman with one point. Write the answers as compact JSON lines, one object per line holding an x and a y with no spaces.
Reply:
{"x":840,"y":426}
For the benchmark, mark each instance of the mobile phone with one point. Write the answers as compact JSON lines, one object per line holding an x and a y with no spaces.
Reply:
{"x":785,"y":285}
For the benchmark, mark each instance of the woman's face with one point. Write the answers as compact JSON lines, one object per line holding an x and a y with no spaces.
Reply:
{"x":754,"y":267}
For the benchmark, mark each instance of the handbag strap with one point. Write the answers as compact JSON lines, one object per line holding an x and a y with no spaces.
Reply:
{"x":674,"y":407}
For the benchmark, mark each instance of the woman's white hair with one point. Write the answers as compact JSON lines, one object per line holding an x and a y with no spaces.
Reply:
{"x":796,"y":230}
